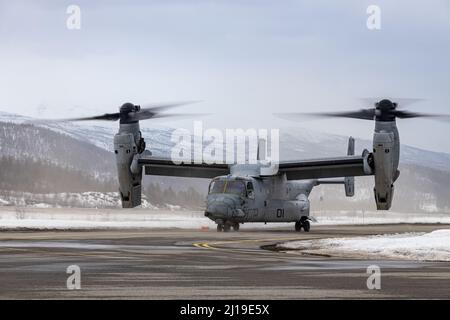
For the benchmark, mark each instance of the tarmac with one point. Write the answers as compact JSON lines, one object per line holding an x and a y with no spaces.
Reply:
{"x":204,"y":264}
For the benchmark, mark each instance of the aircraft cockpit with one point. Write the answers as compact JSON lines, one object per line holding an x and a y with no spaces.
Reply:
{"x":239,"y":187}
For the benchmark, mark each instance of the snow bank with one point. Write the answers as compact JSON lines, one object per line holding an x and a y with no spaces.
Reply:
{"x":377,"y":217}
{"x":433,"y":246}
{"x":71,"y":218}
{"x":40,"y":216}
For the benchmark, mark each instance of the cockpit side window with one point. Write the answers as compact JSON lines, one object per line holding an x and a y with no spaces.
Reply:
{"x":250,"y":190}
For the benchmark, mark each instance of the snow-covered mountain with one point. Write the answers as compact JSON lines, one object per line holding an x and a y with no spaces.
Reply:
{"x":100,"y":136}
{"x":40,"y":144}
{"x":295,"y":143}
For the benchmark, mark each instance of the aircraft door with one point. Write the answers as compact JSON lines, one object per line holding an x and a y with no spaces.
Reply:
{"x":249,"y":206}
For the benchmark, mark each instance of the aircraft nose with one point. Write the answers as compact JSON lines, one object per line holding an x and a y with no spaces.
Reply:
{"x":221,"y":207}
{"x":217,"y":209}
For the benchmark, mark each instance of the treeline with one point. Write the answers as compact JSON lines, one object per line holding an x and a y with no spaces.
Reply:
{"x":33,"y":142}
{"x":40,"y":176}
{"x":188,"y":198}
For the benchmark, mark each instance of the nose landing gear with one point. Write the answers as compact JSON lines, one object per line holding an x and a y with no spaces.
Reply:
{"x":226,"y":227}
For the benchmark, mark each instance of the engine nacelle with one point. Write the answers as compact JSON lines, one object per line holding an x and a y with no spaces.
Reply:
{"x":386,"y":148}
{"x":127,"y":145}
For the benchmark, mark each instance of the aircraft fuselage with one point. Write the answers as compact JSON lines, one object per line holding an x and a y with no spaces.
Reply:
{"x":239,"y":199}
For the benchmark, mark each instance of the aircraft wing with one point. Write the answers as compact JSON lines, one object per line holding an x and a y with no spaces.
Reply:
{"x":347,"y":166}
{"x":165,"y":167}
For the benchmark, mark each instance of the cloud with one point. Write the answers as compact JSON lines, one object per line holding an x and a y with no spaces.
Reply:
{"x":245,"y":59}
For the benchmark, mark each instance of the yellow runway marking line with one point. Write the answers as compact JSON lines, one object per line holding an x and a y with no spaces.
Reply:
{"x":210,"y":245}
{"x":206,"y":246}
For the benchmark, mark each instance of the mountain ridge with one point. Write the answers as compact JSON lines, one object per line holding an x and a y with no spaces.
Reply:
{"x":295,"y":143}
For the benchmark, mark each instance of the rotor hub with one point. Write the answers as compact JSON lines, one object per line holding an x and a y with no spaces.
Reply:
{"x":384,"y":110}
{"x":127,"y":107}
{"x":125,"y":110}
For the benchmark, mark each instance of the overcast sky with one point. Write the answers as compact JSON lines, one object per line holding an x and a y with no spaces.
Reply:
{"x":244,"y":59}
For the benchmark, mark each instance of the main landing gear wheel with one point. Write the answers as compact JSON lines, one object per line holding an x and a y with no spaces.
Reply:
{"x":236,"y":226}
{"x":304,"y":223}
{"x":226,"y":227}
{"x":219,"y":227}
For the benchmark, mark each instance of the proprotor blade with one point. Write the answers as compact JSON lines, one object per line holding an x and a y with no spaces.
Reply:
{"x":402,"y":114}
{"x":364,"y":114}
{"x":130,"y":112}
{"x":154,"y":111}
{"x":384,"y":110}
{"x":103,"y":117}
{"x":158,"y":107}
{"x":140,"y":116}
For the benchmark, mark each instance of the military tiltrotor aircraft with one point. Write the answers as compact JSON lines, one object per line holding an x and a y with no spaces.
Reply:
{"x":240,"y":193}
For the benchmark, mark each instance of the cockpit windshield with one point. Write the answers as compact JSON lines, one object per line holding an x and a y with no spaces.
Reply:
{"x":217,"y":186}
{"x":235,"y":187}
{"x":231,"y":186}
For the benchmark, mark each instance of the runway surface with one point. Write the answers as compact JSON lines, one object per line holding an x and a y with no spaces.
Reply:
{"x":204,"y":264}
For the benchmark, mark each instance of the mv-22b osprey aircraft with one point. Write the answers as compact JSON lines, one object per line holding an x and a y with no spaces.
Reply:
{"x":240,"y":193}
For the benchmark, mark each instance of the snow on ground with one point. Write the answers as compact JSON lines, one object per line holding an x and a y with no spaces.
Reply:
{"x":40,"y":216}
{"x":378,"y":217}
{"x":93,"y":219}
{"x":84,"y":218}
{"x":433,"y":246}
